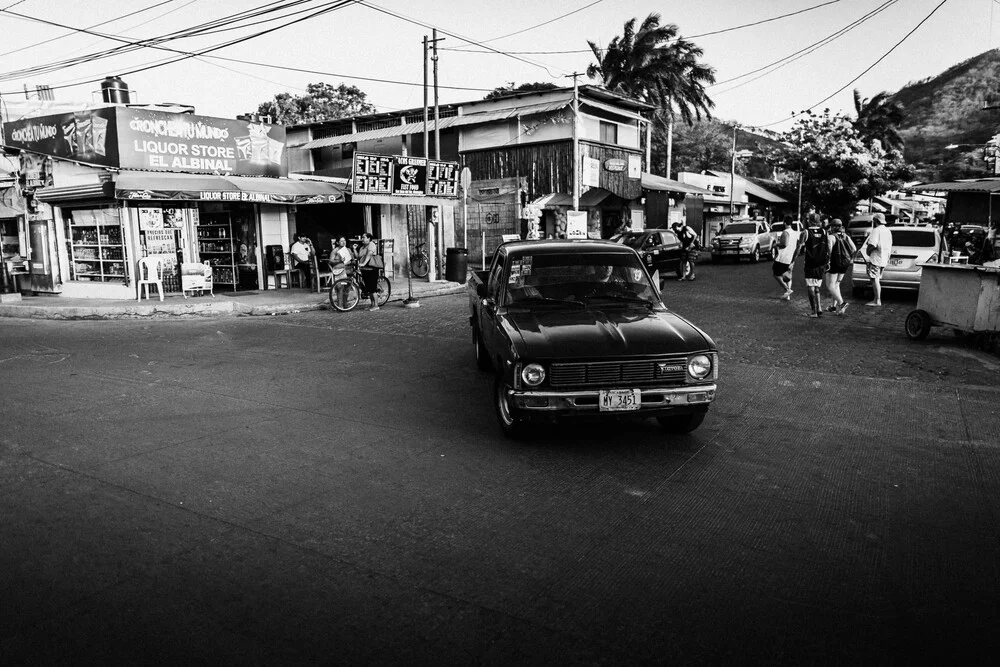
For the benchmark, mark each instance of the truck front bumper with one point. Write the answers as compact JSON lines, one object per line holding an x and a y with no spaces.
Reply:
{"x":655,"y":401}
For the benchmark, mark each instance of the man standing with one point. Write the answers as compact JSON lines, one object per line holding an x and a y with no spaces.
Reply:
{"x":817,"y":261}
{"x":301,"y":253}
{"x":877,"y":249}
{"x":690,"y":249}
{"x":784,"y":259}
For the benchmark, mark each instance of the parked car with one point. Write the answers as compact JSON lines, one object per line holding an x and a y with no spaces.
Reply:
{"x":860,"y":226}
{"x":750,"y":239}
{"x":575,"y":330}
{"x":660,"y":249}
{"x":911,"y":246}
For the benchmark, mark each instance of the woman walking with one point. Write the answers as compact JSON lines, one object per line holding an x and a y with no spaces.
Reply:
{"x":842,"y":251}
{"x":369,"y":270}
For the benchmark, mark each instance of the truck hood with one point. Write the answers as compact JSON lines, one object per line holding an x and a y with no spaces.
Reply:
{"x":575,"y":334}
{"x":734,"y":237}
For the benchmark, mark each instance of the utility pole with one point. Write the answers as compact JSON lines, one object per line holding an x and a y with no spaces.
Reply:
{"x":437,"y":137}
{"x":576,"y":142}
{"x":732,"y":175}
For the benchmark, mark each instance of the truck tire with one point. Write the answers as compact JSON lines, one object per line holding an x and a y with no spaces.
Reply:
{"x":482,"y":356}
{"x":507,"y":415}
{"x":682,"y":423}
{"x":755,"y":255}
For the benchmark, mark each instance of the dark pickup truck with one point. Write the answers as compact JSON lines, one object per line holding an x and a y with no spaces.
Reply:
{"x":576,"y":329}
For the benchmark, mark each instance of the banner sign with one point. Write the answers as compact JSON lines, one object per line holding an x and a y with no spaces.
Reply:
{"x":130,"y":138}
{"x":404,"y":176}
{"x":226,"y":195}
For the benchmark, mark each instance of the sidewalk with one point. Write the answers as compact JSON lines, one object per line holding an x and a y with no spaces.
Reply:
{"x":223,"y":304}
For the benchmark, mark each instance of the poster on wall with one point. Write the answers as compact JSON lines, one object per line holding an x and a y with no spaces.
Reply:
{"x":151,"y":218}
{"x":173,"y":218}
{"x":160,"y":241}
{"x":591,"y":172}
{"x":576,"y":224}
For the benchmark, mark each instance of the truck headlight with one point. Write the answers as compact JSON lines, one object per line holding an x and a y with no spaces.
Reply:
{"x":699,"y":366}
{"x":533,"y":374}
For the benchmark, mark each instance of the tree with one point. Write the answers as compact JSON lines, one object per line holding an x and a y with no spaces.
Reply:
{"x":837,"y":165}
{"x":656,"y":66}
{"x":322,"y":101}
{"x":510,"y":89}
{"x":879,"y":119}
{"x":698,"y":147}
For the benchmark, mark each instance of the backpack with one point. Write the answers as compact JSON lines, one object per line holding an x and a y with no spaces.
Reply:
{"x":817,"y":248}
{"x":840,"y":257}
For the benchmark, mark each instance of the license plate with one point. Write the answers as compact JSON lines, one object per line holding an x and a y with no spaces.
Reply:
{"x":615,"y":400}
{"x":728,"y":252}
{"x":895,"y":262}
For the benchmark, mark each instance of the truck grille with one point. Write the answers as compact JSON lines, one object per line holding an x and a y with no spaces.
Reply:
{"x":669,"y":371}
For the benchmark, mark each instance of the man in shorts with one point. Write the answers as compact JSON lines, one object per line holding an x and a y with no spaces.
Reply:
{"x":877,"y":249}
{"x":784,"y":259}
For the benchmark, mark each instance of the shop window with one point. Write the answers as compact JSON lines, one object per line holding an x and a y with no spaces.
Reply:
{"x":96,"y":244}
{"x":609,"y":132}
{"x":9,"y":240}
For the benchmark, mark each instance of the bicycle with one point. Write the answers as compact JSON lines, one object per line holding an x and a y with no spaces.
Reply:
{"x":346,"y":293}
{"x":419,"y":262}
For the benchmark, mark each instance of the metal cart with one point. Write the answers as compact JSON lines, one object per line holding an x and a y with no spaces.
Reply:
{"x":963,"y":297}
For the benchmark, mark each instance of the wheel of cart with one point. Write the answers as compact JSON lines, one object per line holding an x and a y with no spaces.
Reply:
{"x":959,"y":296}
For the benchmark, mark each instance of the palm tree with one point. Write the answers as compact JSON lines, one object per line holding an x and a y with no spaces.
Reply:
{"x":656,"y":66}
{"x":879,"y":118}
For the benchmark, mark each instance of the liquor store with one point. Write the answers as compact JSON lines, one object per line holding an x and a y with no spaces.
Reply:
{"x":119,"y":184}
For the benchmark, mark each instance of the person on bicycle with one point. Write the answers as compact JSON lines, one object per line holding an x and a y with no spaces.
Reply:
{"x":369,"y":273}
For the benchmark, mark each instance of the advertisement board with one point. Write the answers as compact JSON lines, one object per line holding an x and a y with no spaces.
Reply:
{"x":130,"y":138}
{"x":401,"y":175}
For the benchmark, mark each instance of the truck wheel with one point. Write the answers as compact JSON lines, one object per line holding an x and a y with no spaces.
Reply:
{"x":682,"y":423}
{"x":918,"y":324}
{"x":482,"y":356}
{"x":755,"y":255}
{"x":507,"y":415}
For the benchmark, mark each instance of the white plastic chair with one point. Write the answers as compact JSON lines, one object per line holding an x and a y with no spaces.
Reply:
{"x":149,"y":274}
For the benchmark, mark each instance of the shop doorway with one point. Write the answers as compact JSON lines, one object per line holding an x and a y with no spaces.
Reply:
{"x":325,"y":223}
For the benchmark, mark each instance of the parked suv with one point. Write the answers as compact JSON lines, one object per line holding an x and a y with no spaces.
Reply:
{"x":748,"y":238}
{"x":911,"y":246}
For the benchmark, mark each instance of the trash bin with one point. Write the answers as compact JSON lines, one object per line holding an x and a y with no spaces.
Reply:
{"x":456,"y":265}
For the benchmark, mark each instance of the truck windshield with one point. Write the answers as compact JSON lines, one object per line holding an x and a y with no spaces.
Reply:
{"x":739,"y":228}
{"x":554,"y":278}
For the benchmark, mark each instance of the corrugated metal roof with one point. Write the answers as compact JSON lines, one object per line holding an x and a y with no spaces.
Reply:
{"x":972,"y":185}
{"x":762,"y":193}
{"x":653,"y":182}
{"x":611,"y":109}
{"x":418,"y":128}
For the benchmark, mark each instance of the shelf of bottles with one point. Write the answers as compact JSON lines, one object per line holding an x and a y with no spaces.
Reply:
{"x":96,"y":245}
{"x":215,"y":246}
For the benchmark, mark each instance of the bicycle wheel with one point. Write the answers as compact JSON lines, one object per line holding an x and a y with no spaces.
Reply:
{"x":344,"y":295}
{"x":383,"y":291}
{"x":419,"y":266}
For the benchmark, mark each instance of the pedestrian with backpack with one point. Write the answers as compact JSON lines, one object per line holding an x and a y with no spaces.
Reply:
{"x":690,"y":247}
{"x":816,"y":251}
{"x":842,"y":251}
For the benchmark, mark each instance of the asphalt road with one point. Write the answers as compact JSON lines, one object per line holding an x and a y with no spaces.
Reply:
{"x":332,"y":488}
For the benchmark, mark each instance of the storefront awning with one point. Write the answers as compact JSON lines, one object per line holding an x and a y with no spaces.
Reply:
{"x":141,"y":185}
{"x":591,"y":197}
{"x":653,"y":182}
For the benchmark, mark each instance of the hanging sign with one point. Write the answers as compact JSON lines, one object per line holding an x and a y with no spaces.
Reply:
{"x":576,"y":224}
{"x":614,"y":164}
{"x":406,"y":176}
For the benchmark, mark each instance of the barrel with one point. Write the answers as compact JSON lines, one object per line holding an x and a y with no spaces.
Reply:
{"x":456,"y":265}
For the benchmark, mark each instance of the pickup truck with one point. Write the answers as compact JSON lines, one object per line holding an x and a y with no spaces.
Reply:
{"x":576,"y":329}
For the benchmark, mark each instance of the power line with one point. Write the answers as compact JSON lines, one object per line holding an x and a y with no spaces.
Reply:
{"x":869,"y":68}
{"x":537,"y":25}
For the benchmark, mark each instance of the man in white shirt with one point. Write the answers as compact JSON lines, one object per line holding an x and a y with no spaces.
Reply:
{"x":301,"y":253}
{"x":784,"y":258}
{"x":877,"y":249}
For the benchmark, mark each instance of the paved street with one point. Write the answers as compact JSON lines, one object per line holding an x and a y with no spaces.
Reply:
{"x":332,"y":487}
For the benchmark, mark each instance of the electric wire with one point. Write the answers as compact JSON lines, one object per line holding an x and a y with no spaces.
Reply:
{"x":867,"y":69}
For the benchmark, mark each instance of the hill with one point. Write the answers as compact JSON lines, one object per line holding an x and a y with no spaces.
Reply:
{"x":948,"y":109}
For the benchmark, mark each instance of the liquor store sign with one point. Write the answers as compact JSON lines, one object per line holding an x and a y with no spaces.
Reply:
{"x":129,"y":138}
{"x":404,"y":176}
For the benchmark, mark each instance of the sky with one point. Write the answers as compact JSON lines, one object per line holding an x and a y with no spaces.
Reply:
{"x":376,"y":45}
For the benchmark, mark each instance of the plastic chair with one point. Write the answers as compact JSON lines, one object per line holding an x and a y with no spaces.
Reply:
{"x":150,"y":273}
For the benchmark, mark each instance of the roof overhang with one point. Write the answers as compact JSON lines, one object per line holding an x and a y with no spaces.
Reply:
{"x":661,"y":184}
{"x":142,"y":185}
{"x":980,"y":185}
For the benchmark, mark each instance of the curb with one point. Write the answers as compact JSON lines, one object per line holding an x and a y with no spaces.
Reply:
{"x":208,"y":309}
